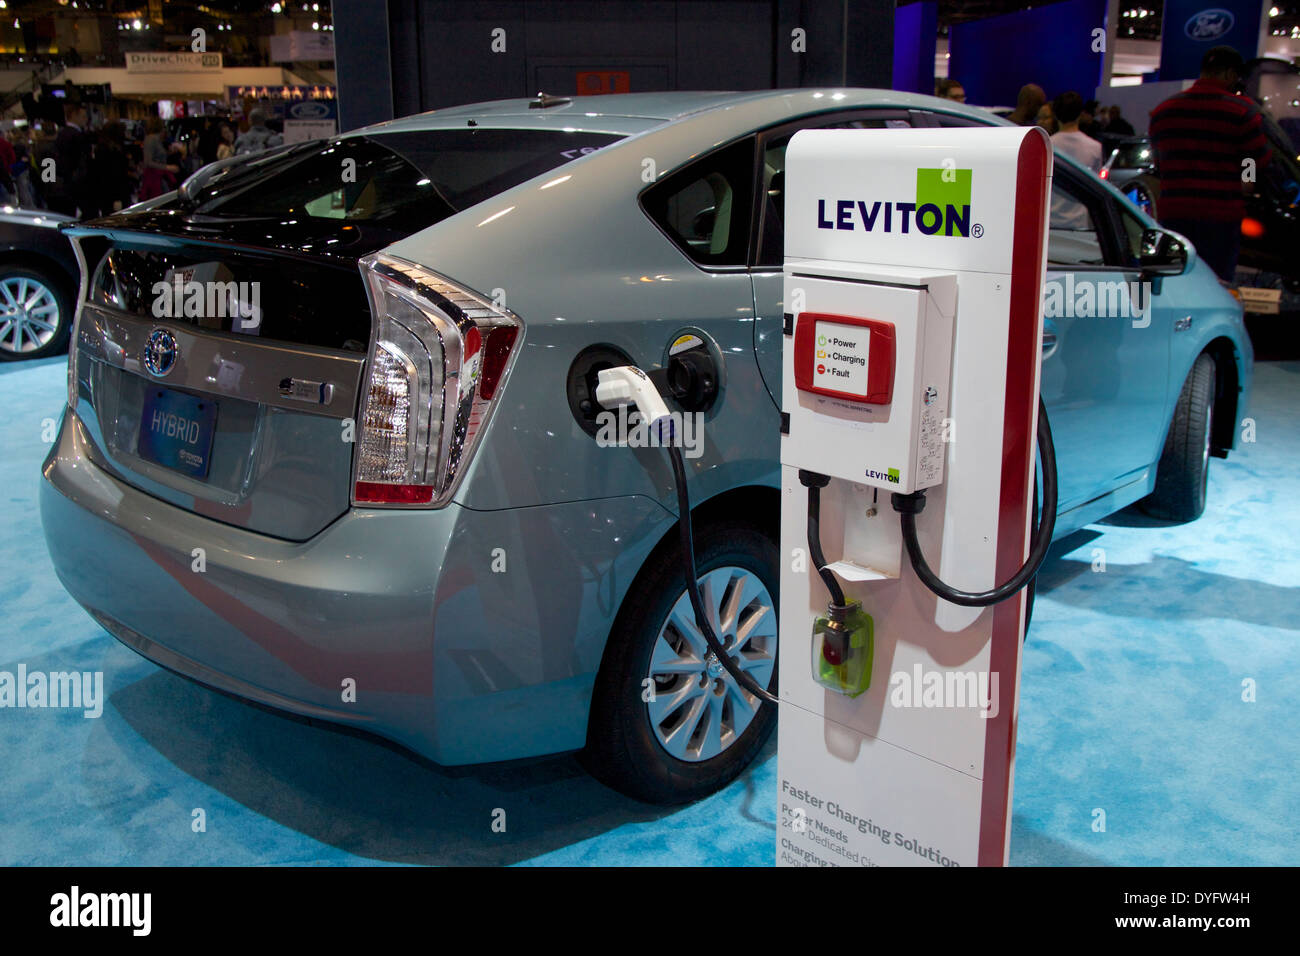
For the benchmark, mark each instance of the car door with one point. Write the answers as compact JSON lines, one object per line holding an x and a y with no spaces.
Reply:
{"x":1105,"y":344}
{"x":769,"y":240}
{"x":1106,"y":338}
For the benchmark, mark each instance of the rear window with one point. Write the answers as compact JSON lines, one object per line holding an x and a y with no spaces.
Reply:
{"x":401,"y":180}
{"x":705,"y":207}
{"x":1134,"y":155}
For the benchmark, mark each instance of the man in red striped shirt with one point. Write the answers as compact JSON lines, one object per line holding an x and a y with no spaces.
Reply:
{"x":1208,"y":141}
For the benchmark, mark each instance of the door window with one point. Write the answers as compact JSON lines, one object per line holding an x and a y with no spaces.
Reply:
{"x":771,"y":243}
{"x":1072,"y":238}
{"x":1132,"y":244}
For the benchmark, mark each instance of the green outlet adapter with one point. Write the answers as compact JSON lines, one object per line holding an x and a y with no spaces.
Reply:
{"x":842,"y":647}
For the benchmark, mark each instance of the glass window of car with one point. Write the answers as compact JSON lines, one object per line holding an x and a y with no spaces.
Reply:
{"x":1134,"y":154}
{"x":1132,"y":244}
{"x":771,"y":244}
{"x":704,"y":208}
{"x":1280,"y":176}
{"x":1072,"y":237}
{"x":954,"y":121}
{"x":405,"y":180}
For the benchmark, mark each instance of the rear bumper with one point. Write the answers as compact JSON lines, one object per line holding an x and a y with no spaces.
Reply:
{"x":467,"y":636}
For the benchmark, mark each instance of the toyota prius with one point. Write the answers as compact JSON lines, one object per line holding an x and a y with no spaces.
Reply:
{"x":329,"y":440}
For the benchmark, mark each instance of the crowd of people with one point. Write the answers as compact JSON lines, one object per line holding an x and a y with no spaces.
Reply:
{"x":1209,"y":140}
{"x":1077,"y":126}
{"x":86,"y":169}
{"x":1201,"y":137}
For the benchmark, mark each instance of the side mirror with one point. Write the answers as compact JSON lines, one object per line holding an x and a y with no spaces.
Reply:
{"x":1163,"y":253}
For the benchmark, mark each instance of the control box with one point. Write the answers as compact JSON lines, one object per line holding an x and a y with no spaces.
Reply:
{"x":867,"y":381}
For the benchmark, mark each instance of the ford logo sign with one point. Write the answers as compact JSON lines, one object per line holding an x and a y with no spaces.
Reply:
{"x":309,"y":110}
{"x":1209,"y":24}
{"x":160,"y":352}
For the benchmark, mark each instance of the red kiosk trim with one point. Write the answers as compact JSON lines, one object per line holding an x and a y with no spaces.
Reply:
{"x":1019,"y":415}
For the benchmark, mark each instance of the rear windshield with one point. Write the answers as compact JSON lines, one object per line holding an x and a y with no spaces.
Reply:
{"x":401,"y":180}
{"x":1134,"y":155}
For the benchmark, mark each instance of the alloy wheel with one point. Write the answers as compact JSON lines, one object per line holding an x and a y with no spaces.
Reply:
{"x":698,"y":709}
{"x":29,"y":315}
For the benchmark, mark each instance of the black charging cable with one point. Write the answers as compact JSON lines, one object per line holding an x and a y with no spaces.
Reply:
{"x":815,"y":482}
{"x":910,"y":505}
{"x":743,"y":678}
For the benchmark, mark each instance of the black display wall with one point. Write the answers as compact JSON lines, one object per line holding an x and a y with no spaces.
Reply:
{"x":406,"y":56}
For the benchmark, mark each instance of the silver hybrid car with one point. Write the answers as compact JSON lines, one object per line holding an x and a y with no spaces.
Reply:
{"x":332,"y":442}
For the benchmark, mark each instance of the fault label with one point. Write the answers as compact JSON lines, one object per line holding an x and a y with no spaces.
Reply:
{"x":840,"y":359}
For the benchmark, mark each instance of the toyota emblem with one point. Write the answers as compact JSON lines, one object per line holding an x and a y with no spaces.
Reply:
{"x":160,"y":352}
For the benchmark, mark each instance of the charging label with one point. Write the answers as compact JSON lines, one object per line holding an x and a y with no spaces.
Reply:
{"x":841,"y":357}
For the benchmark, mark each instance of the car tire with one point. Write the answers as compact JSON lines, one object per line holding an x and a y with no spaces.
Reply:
{"x":1183,"y":472}
{"x":628,"y":736}
{"x":22,"y":335}
{"x":1031,"y":590}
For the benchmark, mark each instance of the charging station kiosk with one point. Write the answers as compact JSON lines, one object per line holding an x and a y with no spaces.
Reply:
{"x":914,"y":273}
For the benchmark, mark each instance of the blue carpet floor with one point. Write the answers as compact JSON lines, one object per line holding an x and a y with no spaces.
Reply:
{"x":1131,"y":712}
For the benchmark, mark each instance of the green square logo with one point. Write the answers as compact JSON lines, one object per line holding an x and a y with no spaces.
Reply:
{"x":893,"y":474}
{"x":931,"y":187}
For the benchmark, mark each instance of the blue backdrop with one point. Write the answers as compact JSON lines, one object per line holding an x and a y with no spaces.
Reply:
{"x":1191,"y":27}
{"x":916,"y":30}
{"x":1050,"y":46}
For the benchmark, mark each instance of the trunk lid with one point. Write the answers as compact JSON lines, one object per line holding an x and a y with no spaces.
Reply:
{"x":222,"y":335}
{"x":220,"y":375}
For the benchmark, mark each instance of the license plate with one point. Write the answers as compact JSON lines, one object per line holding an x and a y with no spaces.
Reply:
{"x":1261,"y":301}
{"x":176,"y":431}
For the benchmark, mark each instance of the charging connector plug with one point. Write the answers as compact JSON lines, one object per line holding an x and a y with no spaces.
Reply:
{"x":628,"y":385}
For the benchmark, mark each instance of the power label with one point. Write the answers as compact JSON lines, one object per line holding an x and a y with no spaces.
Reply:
{"x":842,"y":354}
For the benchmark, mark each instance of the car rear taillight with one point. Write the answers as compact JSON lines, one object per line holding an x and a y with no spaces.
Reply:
{"x":75,"y":242}
{"x":439,"y":355}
